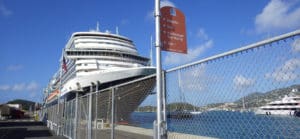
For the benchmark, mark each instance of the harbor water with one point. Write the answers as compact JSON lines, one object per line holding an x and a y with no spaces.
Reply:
{"x":228,"y":125}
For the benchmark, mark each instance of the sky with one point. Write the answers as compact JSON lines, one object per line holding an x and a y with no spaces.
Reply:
{"x":33,"y":33}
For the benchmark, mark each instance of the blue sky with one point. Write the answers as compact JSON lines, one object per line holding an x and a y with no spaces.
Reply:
{"x":33,"y":32}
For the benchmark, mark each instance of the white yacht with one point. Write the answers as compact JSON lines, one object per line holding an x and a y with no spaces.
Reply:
{"x":99,"y":59}
{"x":289,"y":105}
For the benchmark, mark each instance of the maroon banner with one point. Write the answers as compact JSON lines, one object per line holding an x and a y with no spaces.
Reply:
{"x":172,"y":30}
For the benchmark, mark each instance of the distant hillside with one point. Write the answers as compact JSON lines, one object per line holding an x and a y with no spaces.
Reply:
{"x":26,"y":104}
{"x":258,"y":99}
{"x":146,"y":109}
{"x":180,"y":106}
{"x":170,"y":107}
{"x":253,"y":100}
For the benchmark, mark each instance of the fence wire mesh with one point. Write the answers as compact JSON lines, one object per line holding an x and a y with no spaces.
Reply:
{"x":129,"y":114}
{"x":69,"y":119}
{"x":254,"y":93}
{"x":102,"y":114}
{"x":82,"y":121}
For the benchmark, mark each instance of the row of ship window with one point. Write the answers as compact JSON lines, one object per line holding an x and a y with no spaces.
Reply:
{"x":284,"y":104}
{"x":99,"y":53}
{"x":120,"y":60}
{"x":115,"y":60}
{"x":105,"y":39}
{"x":118,"y":44}
{"x":281,"y":109}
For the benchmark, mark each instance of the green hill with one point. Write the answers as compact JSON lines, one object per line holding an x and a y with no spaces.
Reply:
{"x":259,"y":99}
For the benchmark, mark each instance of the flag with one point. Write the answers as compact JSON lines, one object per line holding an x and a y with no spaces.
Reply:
{"x":64,"y":65}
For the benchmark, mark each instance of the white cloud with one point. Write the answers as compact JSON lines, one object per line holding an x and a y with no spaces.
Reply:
{"x":241,"y":82}
{"x":278,"y":15}
{"x":193,"y":79}
{"x":125,"y":21}
{"x":20,"y":87}
{"x":3,"y":10}
{"x":32,"y":95}
{"x":296,"y":45}
{"x":164,"y":3}
{"x":14,"y":67}
{"x":150,"y":16}
{"x":193,"y":53}
{"x":4,"y":87}
{"x":286,"y":72}
{"x":32,"y":86}
{"x":201,"y":34}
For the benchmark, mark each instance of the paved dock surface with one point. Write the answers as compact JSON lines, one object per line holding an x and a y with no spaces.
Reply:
{"x":105,"y":134}
{"x":29,"y":129}
{"x":25,"y":129}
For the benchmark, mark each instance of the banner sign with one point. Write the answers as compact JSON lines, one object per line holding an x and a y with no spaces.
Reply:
{"x":172,"y":30}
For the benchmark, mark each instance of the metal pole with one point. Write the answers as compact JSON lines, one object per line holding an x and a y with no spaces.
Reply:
{"x":112,"y":135}
{"x":164,"y":100}
{"x":158,"y":66}
{"x":58,"y":99}
{"x":96,"y":110}
{"x":76,"y":115}
{"x":90,"y":113}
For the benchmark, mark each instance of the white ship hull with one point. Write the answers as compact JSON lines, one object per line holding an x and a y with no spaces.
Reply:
{"x":276,"y":112}
{"x":80,"y":82}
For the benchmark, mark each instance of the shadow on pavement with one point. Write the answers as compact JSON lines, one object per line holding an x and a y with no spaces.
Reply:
{"x":25,"y":129}
{"x":13,"y":124}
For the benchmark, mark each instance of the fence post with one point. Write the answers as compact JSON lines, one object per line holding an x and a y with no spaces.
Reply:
{"x":112,"y":113}
{"x":96,"y":109}
{"x":154,"y":130}
{"x":164,"y":116}
{"x":90,"y":113}
{"x":76,"y":115}
{"x":158,"y":67}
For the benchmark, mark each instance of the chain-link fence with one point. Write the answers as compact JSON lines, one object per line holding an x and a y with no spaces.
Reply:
{"x":129,"y":114}
{"x":104,"y":114}
{"x":251,"y":92}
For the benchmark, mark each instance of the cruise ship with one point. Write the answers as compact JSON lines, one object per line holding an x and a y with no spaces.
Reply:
{"x":101,"y":59}
{"x":288,"y":105}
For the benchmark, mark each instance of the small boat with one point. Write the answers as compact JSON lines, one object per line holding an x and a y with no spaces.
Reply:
{"x":195,"y":112}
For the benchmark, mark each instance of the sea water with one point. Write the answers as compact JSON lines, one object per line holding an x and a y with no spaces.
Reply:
{"x":228,"y":125}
